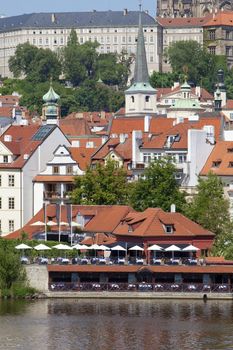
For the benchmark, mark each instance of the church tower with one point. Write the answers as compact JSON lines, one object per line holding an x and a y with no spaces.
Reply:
{"x":140,"y":98}
{"x":51,"y":109}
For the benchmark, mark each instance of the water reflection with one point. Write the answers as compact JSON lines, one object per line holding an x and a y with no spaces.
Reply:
{"x":116,"y":325}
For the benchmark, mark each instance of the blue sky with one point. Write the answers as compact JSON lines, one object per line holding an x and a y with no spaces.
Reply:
{"x":16,"y":7}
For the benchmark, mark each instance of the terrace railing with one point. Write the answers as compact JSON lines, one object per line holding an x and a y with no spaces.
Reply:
{"x":141,"y":287}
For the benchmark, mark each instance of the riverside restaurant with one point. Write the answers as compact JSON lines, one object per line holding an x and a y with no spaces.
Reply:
{"x":118,"y":249}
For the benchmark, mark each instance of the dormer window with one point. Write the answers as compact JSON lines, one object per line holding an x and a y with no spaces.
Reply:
{"x":216,"y":163}
{"x":169,"y":229}
{"x":5,"y":159}
{"x":230,"y":150}
{"x":130,"y":228}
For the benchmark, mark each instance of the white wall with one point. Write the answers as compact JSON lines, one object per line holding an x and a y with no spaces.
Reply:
{"x":35,"y":165}
{"x":198,"y":152}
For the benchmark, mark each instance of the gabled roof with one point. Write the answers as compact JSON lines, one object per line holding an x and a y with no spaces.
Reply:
{"x":124,"y":150}
{"x":222,"y":154}
{"x":82,"y":156}
{"x":9,"y":100}
{"x":168,"y":92}
{"x":152,"y":222}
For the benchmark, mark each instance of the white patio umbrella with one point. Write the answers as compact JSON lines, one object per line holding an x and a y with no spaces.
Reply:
{"x":190,"y":248}
{"x":37,"y":223}
{"x":51,"y":223}
{"x":22,"y":247}
{"x":155,"y":248}
{"x":136,"y":248}
{"x":118,"y":248}
{"x":78,"y":246}
{"x":104,"y":247}
{"x":63,"y":223}
{"x":62,"y":247}
{"x":42,"y":247}
{"x":73,"y":223}
{"x":173,"y":248}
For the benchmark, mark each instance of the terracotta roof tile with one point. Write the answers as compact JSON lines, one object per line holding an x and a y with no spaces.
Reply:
{"x":220,"y":18}
{"x":182,"y":21}
{"x":220,"y":161}
{"x":82,"y":156}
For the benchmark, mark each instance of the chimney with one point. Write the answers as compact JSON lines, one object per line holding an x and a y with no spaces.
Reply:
{"x":198,"y":91}
{"x":122,"y":138}
{"x":147,"y":120}
{"x":173,"y":208}
{"x":53,"y":18}
{"x":102,"y":115}
{"x":125,"y":12}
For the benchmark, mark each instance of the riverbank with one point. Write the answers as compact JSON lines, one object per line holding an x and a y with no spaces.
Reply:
{"x":137,"y":295}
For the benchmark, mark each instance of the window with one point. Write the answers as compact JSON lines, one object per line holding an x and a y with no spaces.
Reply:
{"x":55,"y":170}
{"x":182,"y":158}
{"x":69,"y":169}
{"x":230,"y":165}
{"x":169,"y":228}
{"x":227,"y":34}
{"x":11,"y":225}
{"x":231,"y":116}
{"x":147,"y":98}
{"x":0,"y":202}
{"x":11,"y":203}
{"x":211,"y":34}
{"x":228,"y":51}
{"x":5,"y":159}
{"x":132,"y":99}
{"x":11,"y":180}
{"x":216,"y":164}
{"x":212,"y":50}
{"x":230,"y":150}
{"x":146,"y":157}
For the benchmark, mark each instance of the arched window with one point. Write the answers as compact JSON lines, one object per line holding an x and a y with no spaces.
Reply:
{"x":132,"y":99}
{"x":147,"y":98}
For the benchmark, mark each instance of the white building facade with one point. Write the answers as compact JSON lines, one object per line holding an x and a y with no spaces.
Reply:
{"x":115,"y":31}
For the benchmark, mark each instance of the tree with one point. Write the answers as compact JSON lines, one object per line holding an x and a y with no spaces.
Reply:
{"x":38,"y":65}
{"x":158,"y":188}
{"x":103,"y":185}
{"x":11,"y":269}
{"x":192,"y":55}
{"x":163,"y":80}
{"x":209,"y":208}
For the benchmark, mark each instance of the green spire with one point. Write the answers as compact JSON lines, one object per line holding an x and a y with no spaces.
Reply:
{"x":51,"y":96}
{"x":141,"y":70}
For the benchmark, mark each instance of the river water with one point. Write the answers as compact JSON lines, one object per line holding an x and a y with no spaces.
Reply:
{"x":116,"y":325}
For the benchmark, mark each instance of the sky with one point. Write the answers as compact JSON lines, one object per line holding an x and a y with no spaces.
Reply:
{"x":16,"y":7}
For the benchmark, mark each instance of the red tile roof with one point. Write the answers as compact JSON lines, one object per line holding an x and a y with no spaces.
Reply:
{"x":82,"y":156}
{"x":223,"y":155}
{"x":228,"y":105}
{"x":74,"y":127}
{"x":166,"y":92}
{"x":182,"y":21}
{"x":9,"y":100}
{"x":20,"y":145}
{"x":124,"y":150}
{"x":96,"y":214}
{"x":220,"y":18}
{"x":151,"y":223}
{"x":6,"y":112}
{"x":99,"y":238}
{"x":54,"y":178}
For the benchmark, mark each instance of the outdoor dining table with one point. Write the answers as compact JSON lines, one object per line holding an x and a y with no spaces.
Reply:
{"x":145,"y":286}
{"x":44,"y":261}
{"x":121,"y":261}
{"x":65,"y":261}
{"x":102,"y":261}
{"x":157,"y":261}
{"x":192,"y":261}
{"x":84,"y":261}
{"x":192,"y":287}
{"x":139,"y":261}
{"x":174,"y":261}
{"x":24,"y":260}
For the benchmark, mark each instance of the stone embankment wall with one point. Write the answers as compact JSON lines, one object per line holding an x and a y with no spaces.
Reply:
{"x":37,"y":276}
